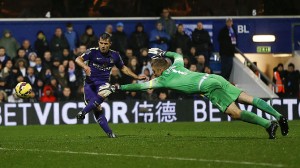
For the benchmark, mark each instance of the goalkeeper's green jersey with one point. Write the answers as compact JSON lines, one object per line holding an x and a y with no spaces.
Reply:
{"x":219,"y":91}
{"x":176,"y":77}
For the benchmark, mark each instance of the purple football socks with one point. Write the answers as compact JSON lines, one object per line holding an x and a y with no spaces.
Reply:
{"x":102,"y":121}
{"x":93,"y":103}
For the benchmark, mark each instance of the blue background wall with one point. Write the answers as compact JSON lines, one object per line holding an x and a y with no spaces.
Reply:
{"x":280,"y":27}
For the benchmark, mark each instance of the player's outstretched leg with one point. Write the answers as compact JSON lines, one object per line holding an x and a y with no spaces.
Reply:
{"x":261,"y":104}
{"x":270,"y":127}
{"x":92,"y":104}
{"x":272,"y":130}
{"x":284,"y":126}
{"x":80,"y":115}
{"x":247,"y":116}
{"x":102,"y":121}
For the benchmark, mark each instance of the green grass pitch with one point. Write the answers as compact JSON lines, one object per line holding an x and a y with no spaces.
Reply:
{"x":186,"y":144}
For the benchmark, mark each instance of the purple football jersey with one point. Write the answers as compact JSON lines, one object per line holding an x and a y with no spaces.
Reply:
{"x":101,"y":64}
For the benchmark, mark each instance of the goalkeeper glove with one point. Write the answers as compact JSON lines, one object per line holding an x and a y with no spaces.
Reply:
{"x":158,"y":53}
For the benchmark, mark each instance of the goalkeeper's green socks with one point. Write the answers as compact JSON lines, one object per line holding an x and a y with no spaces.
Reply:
{"x":252,"y":118}
{"x":261,"y":104}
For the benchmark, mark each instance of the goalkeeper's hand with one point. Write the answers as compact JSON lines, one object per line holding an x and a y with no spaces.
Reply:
{"x":158,"y":53}
{"x":107,"y":89}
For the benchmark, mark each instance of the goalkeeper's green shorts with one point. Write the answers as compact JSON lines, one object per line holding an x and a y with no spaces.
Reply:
{"x":219,"y":91}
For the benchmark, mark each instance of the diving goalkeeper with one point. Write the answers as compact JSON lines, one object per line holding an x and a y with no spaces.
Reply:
{"x":219,"y":91}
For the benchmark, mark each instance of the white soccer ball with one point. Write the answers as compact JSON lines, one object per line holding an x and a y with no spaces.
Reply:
{"x":23,"y":90}
{"x":104,"y":90}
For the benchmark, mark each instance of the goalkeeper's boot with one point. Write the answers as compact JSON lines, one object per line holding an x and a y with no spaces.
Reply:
{"x":111,"y":135}
{"x":80,"y":115}
{"x":284,"y":126}
{"x":272,"y":130}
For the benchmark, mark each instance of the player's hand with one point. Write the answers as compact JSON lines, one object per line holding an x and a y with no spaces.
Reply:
{"x":87,"y":70}
{"x":143,"y":77}
{"x":107,"y":89}
{"x":158,"y":53}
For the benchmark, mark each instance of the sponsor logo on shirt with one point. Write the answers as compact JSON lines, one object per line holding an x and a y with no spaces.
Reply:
{"x":103,"y":67}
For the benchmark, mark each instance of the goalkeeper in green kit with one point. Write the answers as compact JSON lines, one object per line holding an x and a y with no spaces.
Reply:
{"x":218,"y":90}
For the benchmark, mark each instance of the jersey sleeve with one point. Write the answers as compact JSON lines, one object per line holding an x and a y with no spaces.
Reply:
{"x":87,"y":55}
{"x":119,"y":61}
{"x":178,"y":59}
{"x":152,"y":84}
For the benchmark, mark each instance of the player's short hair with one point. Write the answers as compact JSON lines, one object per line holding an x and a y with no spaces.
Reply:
{"x":160,"y":63}
{"x":105,"y":36}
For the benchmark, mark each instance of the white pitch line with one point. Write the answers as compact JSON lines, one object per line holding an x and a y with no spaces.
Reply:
{"x":151,"y":157}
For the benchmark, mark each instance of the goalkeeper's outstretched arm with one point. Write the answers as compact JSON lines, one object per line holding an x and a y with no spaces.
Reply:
{"x":158,"y":53}
{"x":152,"y":84}
{"x":178,"y":59}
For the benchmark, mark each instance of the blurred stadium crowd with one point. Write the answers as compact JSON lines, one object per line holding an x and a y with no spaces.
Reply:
{"x":48,"y":62}
{"x":142,"y":8}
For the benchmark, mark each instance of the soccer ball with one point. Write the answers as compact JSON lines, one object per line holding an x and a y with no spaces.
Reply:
{"x":23,"y":90}
{"x":105,"y":90}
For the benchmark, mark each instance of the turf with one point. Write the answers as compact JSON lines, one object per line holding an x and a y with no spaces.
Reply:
{"x":219,"y":144}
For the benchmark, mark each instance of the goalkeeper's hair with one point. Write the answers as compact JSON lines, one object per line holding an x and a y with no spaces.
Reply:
{"x":160,"y":63}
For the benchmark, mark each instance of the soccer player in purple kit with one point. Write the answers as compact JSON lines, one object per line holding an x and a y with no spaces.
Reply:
{"x":99,"y":64}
